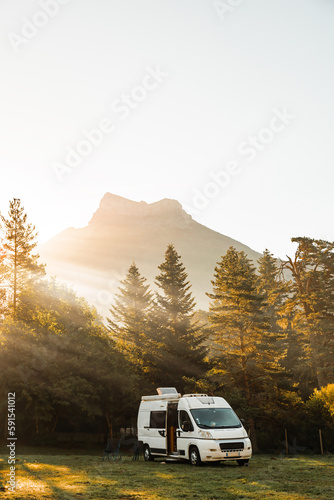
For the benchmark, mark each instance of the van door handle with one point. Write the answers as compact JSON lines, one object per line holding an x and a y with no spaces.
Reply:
{"x":178,"y":433}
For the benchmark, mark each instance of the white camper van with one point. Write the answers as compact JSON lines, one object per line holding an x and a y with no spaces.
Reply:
{"x":195,"y":427}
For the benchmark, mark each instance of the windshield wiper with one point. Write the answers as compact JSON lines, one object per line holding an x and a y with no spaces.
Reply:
{"x":228,"y":426}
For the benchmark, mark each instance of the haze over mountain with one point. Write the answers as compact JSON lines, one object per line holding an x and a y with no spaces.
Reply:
{"x":94,"y":258}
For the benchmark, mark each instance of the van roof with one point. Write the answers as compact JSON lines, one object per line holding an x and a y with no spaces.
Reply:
{"x":192,"y":400}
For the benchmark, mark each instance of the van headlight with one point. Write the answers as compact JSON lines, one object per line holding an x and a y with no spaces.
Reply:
{"x":205,"y":434}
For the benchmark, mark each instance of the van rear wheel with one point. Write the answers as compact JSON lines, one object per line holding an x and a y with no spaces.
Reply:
{"x":194,"y":456}
{"x":243,"y":461}
{"x":147,"y":454}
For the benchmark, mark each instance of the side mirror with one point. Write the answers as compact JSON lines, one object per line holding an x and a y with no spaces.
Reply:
{"x":242,"y":421}
{"x":185,"y":426}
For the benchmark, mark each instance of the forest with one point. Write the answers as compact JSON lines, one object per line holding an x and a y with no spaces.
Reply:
{"x":266,"y":343}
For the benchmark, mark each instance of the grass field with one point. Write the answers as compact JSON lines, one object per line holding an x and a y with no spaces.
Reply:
{"x":55,"y":476}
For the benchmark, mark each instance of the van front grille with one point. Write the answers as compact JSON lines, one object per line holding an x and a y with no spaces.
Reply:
{"x":231,"y":446}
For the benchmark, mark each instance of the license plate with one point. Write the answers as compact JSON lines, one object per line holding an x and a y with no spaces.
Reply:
{"x":232,"y":454}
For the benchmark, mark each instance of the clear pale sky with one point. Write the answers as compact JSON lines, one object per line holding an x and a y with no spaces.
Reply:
{"x":227,"y":74}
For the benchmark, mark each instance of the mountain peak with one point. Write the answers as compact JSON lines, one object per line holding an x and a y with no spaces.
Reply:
{"x":115,"y":209}
{"x":95,"y":258}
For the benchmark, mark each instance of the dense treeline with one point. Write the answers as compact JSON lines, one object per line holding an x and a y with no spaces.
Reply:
{"x":266,"y":344}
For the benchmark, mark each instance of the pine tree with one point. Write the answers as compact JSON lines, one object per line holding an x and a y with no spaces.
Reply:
{"x":247,"y":360}
{"x":312,"y":302}
{"x":272,"y":287}
{"x":275,"y":291}
{"x":20,"y":265}
{"x":129,"y":324}
{"x":181,"y":352}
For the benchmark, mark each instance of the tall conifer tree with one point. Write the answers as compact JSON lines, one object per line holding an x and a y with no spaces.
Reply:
{"x":181,"y":351}
{"x":312,"y":301}
{"x":129,"y":323}
{"x":275,"y":291}
{"x":247,"y":360}
{"x":272,"y":287}
{"x":20,"y":264}
{"x":3,"y":284}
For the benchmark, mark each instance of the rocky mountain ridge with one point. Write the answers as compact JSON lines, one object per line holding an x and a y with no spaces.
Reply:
{"x":96,"y":257}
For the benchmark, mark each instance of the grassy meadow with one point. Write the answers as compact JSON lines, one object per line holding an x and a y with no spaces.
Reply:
{"x":55,"y":476}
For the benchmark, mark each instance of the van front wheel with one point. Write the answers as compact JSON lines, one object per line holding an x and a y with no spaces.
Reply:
{"x":194,"y":456}
{"x":147,"y":454}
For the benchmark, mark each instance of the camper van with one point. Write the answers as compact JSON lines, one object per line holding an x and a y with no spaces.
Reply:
{"x":194,"y":427}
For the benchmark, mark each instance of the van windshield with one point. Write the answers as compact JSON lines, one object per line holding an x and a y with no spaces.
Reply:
{"x":215,"y":418}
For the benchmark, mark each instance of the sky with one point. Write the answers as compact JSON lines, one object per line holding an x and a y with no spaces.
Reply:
{"x":225,"y":105}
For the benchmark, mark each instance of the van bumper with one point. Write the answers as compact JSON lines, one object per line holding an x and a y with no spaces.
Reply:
{"x":219,"y":450}
{"x":211,"y":456}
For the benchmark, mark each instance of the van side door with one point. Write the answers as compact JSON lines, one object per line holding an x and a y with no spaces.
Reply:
{"x":184,"y":432}
{"x":157,"y":432}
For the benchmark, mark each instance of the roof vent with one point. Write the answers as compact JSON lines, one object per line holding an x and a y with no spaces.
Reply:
{"x":166,"y":390}
{"x":203,"y":398}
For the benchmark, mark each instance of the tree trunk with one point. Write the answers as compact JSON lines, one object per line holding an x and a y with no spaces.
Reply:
{"x":109,"y":424}
{"x":322,"y":382}
{"x":248,"y":399}
{"x":314,"y":356}
{"x":6,"y":426}
{"x":253,"y":437}
{"x":55,"y":424}
{"x":15,"y":271}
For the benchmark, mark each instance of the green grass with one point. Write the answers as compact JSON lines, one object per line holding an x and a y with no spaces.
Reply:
{"x":47,"y":476}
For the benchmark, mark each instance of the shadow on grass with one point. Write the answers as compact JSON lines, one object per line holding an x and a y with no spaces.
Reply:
{"x":88,"y":477}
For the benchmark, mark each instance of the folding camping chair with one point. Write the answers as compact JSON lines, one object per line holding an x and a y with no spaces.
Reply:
{"x":107,"y":452}
{"x":110,"y":454}
{"x":136,"y":451}
{"x":117,"y":453}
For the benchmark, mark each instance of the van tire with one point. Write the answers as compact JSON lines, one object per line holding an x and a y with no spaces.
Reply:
{"x":147,"y":454}
{"x":243,"y":461}
{"x":194,"y":456}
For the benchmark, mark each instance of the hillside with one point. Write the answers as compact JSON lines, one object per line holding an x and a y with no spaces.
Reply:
{"x":94,"y":258}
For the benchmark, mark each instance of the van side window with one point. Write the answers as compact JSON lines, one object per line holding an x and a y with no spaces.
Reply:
{"x":184,"y":417}
{"x":158,"y":419}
